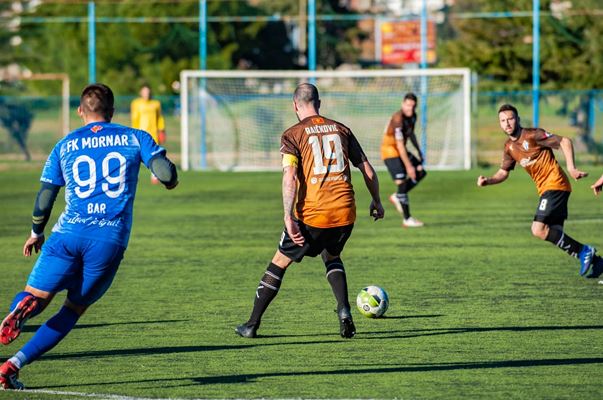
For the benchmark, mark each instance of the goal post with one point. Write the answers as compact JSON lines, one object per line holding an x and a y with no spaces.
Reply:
{"x":233,"y":120}
{"x":64,"y":78}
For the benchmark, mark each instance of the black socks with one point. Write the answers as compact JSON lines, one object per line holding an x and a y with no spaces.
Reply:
{"x":403,"y":200}
{"x":564,"y":242}
{"x":266,"y":291}
{"x":337,"y":280}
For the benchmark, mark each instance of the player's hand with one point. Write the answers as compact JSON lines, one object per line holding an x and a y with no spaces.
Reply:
{"x":294,"y":232}
{"x":170,"y":187}
{"x":597,"y":186}
{"x":161,"y":137}
{"x":412,"y":173}
{"x":33,"y":243}
{"x":482,"y":181}
{"x":376,"y":210}
{"x":577,"y":174}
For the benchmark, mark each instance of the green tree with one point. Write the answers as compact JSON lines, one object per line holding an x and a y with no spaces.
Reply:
{"x":129,"y":54}
{"x":500,"y":50}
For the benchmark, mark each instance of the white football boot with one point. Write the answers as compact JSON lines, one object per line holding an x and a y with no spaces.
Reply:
{"x":412,"y":222}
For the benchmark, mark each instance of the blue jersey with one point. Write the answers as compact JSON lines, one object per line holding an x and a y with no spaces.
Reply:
{"x":98,"y":164}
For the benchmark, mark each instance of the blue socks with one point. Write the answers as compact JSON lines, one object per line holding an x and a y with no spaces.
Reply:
{"x":17,"y":299}
{"x":20,"y":296}
{"x":47,"y":336}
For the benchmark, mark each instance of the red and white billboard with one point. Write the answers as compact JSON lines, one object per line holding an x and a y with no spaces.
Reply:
{"x":400,"y":42}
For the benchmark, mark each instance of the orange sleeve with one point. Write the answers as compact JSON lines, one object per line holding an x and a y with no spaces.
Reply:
{"x":547,"y":139}
{"x":508,"y":162}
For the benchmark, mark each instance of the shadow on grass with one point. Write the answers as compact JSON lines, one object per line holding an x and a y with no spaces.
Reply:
{"x":453,"y":331}
{"x":411,"y":316}
{"x":408,"y":368}
{"x":243,"y":378}
{"x":259,"y":343}
{"x":330,"y":333}
{"x":33,"y":328}
{"x":144,"y":351}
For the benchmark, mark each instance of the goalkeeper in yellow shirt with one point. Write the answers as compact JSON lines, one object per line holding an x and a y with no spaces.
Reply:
{"x":146,"y":116}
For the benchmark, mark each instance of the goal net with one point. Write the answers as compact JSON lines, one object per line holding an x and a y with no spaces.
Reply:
{"x":233,"y":120}
{"x":33,"y":122}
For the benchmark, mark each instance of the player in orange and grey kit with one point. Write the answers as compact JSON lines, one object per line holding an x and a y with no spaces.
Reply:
{"x":317,"y":153}
{"x":597,"y":187}
{"x":406,"y":169}
{"x":533,"y":148}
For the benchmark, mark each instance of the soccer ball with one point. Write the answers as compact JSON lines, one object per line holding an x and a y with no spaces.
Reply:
{"x":372,"y":301}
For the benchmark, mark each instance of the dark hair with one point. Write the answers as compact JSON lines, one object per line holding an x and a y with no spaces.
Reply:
{"x":410,"y":96}
{"x":508,"y":107}
{"x":306,"y":93}
{"x":98,"y":99}
{"x":145,"y":85}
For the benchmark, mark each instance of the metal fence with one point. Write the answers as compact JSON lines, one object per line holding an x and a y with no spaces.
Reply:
{"x":574,"y":113}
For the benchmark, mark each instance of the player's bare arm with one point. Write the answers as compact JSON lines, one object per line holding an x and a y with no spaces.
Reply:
{"x":410,"y":169}
{"x":372,"y":183}
{"x":289,"y":193}
{"x":597,"y":186}
{"x":567,"y":148}
{"x":500,"y":176}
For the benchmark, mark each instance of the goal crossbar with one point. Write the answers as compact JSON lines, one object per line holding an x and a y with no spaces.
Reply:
{"x":204,"y":97}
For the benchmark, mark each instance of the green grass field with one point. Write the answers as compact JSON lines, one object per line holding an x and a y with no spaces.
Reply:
{"x":479,"y":308}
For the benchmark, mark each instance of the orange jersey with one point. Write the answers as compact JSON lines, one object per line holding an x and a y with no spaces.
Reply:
{"x":324,"y":149}
{"x":398,"y":128}
{"x":533,"y":151}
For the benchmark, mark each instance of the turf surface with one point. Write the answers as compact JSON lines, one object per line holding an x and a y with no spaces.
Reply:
{"x":479,"y":308}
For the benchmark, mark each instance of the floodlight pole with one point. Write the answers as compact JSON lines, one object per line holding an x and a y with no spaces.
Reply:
{"x":536,"y":63}
{"x":312,"y":36}
{"x":423,"y":97}
{"x":91,"y":42}
{"x":202,"y":34}
{"x":65,"y":100}
{"x":424,"y":34}
{"x":303,"y":25}
{"x":202,"y":66}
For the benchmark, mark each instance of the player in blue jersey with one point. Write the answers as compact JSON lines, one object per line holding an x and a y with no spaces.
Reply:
{"x":597,"y":268}
{"x":98,"y":165}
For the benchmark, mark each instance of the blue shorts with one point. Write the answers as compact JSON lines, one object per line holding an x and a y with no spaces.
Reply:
{"x":83,"y":267}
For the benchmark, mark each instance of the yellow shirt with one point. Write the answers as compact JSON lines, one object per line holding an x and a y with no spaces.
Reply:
{"x":146,"y":116}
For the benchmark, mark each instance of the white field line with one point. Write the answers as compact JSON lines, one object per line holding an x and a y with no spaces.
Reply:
{"x":108,"y":396}
{"x":93,"y":395}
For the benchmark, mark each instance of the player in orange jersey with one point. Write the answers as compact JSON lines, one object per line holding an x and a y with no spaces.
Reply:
{"x":319,"y":206}
{"x":533,"y":148}
{"x":406,"y":169}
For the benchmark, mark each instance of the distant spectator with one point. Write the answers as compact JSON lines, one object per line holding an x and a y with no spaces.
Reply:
{"x":146,"y":116}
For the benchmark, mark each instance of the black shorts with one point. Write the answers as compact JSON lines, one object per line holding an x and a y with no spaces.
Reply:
{"x":396,"y":167}
{"x":317,"y":239}
{"x":552,"y":207}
